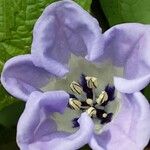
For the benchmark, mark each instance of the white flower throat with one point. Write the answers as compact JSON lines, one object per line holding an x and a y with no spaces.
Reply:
{"x":86,"y":98}
{"x":87,"y":85}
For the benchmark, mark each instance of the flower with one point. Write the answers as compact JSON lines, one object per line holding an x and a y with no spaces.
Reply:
{"x":68,"y":46}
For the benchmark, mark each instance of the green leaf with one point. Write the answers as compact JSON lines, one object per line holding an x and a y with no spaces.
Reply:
{"x":120,"y":11}
{"x":97,"y":12}
{"x":5,"y":98}
{"x":9,"y":146}
{"x":146,"y":92}
{"x":86,"y":4}
{"x":7,"y":134}
{"x":9,"y":115}
{"x":10,"y":108}
{"x":86,"y":147}
{"x":17,"y":18}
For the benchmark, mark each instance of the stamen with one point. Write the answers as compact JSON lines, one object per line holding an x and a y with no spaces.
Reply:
{"x":76,"y":87}
{"x":110,"y":90}
{"x":91,"y":111}
{"x":86,"y":100}
{"x":103,"y":97}
{"x":74,"y":104}
{"x":91,"y":82}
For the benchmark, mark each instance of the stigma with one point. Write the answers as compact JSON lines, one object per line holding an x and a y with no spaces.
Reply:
{"x":86,"y":97}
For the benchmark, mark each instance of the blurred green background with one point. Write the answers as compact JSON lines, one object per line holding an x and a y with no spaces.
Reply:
{"x":17,"y":18}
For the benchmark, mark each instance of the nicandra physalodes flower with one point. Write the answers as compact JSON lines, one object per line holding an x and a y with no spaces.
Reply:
{"x":82,"y":86}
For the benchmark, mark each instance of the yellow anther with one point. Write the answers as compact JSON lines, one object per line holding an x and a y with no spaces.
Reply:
{"x":89,"y":101}
{"x":103,"y":97}
{"x":74,"y":104}
{"x":91,"y":111}
{"x":91,"y":82}
{"x":76,"y":87}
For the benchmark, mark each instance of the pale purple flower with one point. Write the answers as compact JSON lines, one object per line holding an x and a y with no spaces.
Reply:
{"x":66,"y":34}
